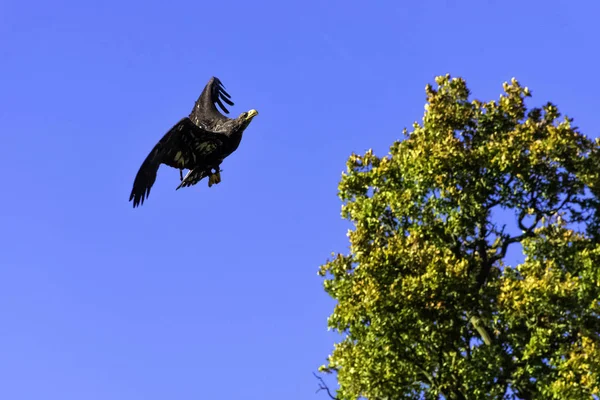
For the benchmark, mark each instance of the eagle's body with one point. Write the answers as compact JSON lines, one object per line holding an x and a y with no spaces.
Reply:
{"x":199,"y":142}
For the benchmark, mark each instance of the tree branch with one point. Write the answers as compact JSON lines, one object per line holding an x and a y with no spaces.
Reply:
{"x":482,"y":248}
{"x":323,"y":386}
{"x":476,"y":322}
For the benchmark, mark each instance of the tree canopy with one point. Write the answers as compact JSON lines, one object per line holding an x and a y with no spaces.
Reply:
{"x":427,"y":302}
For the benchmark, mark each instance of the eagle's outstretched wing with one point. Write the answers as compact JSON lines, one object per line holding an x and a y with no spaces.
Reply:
{"x":205,"y":108}
{"x":184,"y":146}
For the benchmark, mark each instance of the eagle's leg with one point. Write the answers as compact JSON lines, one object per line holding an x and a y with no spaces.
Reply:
{"x":181,"y":175}
{"x":215,"y":177}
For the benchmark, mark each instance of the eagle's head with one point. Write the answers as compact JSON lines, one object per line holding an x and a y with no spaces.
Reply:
{"x":246,"y":117}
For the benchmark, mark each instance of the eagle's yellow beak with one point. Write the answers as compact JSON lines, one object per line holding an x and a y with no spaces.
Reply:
{"x":251,"y":114}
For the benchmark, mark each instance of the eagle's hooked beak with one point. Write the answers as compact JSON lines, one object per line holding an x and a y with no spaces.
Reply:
{"x":251,"y":114}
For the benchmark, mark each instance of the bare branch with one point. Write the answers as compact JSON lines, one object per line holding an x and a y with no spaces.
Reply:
{"x":323,"y":386}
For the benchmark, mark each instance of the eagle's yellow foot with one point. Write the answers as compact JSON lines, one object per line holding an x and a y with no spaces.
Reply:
{"x":214,"y":178}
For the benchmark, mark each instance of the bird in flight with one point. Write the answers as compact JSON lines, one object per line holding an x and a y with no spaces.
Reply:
{"x":199,"y":143}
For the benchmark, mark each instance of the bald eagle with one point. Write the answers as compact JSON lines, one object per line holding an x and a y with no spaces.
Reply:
{"x":199,"y":143}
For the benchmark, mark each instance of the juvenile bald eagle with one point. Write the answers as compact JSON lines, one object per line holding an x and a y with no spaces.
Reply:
{"x":199,"y":143}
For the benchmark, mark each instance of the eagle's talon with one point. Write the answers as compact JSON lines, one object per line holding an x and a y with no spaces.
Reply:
{"x":214,"y":178}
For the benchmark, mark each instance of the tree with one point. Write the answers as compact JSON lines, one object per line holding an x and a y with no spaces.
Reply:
{"x":426,"y":302}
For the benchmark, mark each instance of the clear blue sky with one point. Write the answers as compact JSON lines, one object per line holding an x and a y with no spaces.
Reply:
{"x":213,"y":293}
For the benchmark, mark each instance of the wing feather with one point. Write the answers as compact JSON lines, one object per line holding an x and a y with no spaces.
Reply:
{"x":184,"y":146}
{"x":205,"y":107}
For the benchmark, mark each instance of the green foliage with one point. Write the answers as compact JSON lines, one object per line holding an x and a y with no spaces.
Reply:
{"x":425,"y":302}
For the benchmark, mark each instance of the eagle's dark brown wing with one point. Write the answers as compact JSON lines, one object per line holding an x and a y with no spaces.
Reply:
{"x":205,"y":107}
{"x":184,"y":146}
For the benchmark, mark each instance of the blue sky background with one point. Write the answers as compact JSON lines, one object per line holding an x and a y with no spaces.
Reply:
{"x":213,"y":293}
